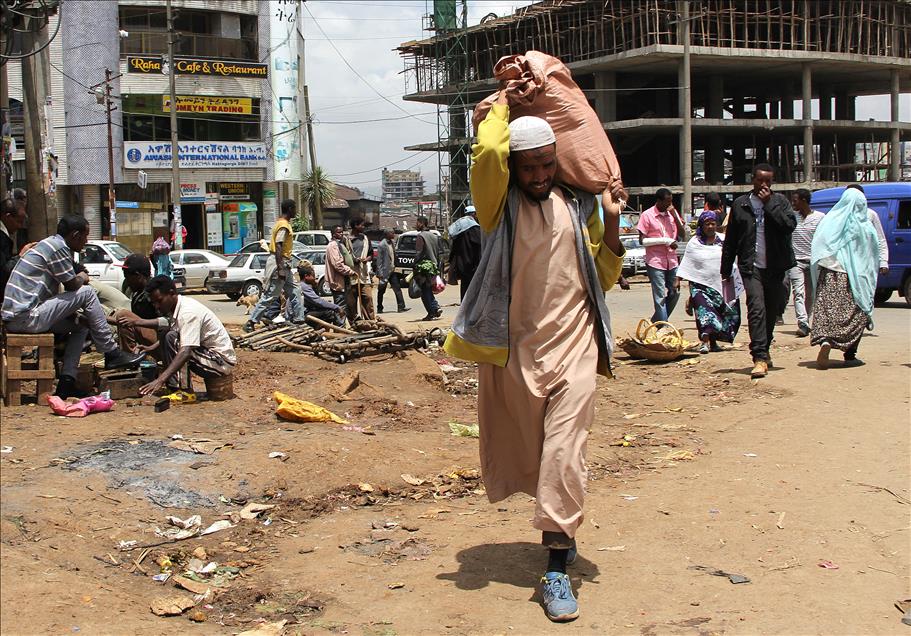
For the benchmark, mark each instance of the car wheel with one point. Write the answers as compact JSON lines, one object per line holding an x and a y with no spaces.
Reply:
{"x":881,"y":296}
{"x":233,"y":295}
{"x":323,"y":286}
{"x":252,"y":288}
{"x":907,"y":290}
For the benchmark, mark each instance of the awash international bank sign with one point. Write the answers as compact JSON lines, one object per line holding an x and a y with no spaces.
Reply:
{"x":200,"y":154}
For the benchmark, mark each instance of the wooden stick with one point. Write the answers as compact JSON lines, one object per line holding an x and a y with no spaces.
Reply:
{"x":323,"y":323}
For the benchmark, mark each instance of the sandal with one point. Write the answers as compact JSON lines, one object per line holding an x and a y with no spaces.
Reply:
{"x":181,"y":397}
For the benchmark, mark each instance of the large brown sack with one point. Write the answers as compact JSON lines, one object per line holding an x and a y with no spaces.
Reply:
{"x":540,"y":85}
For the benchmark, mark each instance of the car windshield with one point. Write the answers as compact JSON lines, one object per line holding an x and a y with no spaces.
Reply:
{"x":407,"y":243}
{"x":250,"y":248}
{"x":317,"y":258}
{"x":239,"y":261}
{"x":119,"y":250}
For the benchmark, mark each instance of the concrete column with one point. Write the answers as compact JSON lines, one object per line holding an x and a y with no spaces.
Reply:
{"x":825,"y":103}
{"x":684,"y":79}
{"x":714,"y":149}
{"x":807,"y":94}
{"x":786,"y":105}
{"x":715,"y":106}
{"x":895,"y":137}
{"x":606,"y":96}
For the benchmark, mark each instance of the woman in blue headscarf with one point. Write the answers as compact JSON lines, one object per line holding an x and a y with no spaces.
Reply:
{"x":717,"y":316}
{"x":844,"y":262}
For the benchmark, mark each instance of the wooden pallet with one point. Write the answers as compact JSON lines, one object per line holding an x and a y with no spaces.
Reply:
{"x":13,"y":370}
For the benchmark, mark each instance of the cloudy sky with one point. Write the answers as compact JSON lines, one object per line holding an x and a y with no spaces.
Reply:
{"x":368,"y":93}
{"x":365,"y":35}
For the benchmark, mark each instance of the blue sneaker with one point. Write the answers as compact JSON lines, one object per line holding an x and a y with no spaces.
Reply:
{"x":559,"y":603}
{"x":572,"y":554}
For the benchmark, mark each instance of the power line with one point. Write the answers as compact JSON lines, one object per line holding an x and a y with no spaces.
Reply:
{"x":385,"y":165}
{"x":354,"y":70}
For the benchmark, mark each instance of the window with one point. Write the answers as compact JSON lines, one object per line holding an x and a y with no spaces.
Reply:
{"x":119,"y":250}
{"x":238,"y":261}
{"x":904,"y":215}
{"x":195,"y":259}
{"x":92,"y":254}
{"x":175,"y":258}
{"x":259,"y":261}
{"x":320,"y":239}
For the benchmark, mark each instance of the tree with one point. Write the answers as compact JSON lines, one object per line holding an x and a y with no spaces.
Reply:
{"x":317,"y":191}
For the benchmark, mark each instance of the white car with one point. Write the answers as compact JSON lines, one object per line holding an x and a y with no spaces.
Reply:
{"x":103,"y":261}
{"x":197,"y":264}
{"x":243,"y":276}
{"x":314,"y":239}
{"x":634,"y":259}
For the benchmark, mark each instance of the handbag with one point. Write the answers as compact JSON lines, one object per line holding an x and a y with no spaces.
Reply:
{"x":414,"y":288}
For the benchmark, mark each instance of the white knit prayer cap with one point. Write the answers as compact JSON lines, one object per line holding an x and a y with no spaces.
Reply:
{"x":526,"y":133}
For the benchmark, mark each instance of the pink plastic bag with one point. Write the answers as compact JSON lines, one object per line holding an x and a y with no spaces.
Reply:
{"x":95,"y":404}
{"x":438,"y":284}
{"x":540,"y":85}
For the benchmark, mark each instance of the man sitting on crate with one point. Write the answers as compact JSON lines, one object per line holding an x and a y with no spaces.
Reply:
{"x":194,"y":341}
{"x":33,"y":302}
{"x":535,"y":320}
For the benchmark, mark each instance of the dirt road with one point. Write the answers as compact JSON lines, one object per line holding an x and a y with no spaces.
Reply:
{"x":767,"y":480}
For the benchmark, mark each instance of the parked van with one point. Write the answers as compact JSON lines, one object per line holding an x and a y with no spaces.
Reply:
{"x":892,"y":202}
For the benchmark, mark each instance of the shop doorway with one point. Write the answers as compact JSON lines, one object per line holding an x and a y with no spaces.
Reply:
{"x":193,"y":217}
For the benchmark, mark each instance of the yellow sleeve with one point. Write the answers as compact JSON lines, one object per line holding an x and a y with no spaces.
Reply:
{"x":489,"y":169}
{"x":607,"y":264}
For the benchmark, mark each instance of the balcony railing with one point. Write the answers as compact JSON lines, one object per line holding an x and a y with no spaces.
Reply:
{"x":190,"y":45}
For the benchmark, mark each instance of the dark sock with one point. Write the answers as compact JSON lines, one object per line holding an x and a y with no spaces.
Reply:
{"x":556,"y":561}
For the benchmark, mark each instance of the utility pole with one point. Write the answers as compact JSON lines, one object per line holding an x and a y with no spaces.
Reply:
{"x":317,"y":204}
{"x":175,"y":158}
{"x":34,"y":97}
{"x":4,"y":120}
{"x":108,"y":100}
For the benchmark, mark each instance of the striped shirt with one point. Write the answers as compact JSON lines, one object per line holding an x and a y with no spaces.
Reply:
{"x":38,"y":276}
{"x":802,"y":238}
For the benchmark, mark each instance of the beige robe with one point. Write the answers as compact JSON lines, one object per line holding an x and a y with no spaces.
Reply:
{"x":535,"y":413}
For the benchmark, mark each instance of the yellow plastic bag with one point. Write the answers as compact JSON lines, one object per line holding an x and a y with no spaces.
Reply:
{"x":295,"y":410}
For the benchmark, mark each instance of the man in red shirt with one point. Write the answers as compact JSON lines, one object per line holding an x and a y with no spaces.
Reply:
{"x":660,"y":227}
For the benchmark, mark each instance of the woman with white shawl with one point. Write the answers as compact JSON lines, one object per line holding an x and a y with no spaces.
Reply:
{"x":717,"y":309}
{"x":844,"y":263}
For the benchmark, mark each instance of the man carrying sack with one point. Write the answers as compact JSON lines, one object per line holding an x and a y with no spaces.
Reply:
{"x":539,"y":341}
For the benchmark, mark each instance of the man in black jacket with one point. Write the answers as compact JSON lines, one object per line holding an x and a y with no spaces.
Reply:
{"x":13,"y":218}
{"x":759,"y":237}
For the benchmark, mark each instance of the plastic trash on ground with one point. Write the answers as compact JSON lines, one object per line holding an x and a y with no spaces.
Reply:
{"x":295,"y":410}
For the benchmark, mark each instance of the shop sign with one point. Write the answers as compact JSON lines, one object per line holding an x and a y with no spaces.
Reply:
{"x":234,"y":192}
{"x":220,"y":105}
{"x":126,"y":205}
{"x":194,"y":192}
{"x":193,"y":66}
{"x":213,"y":229}
{"x":202,"y":154}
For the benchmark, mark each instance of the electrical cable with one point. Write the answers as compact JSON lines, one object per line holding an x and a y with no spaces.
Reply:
{"x":354,"y":70}
{"x":4,"y":58}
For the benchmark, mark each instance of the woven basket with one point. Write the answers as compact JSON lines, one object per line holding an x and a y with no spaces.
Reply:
{"x":656,"y":351}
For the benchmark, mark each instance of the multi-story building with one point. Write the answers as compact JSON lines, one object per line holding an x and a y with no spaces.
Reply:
{"x":399,"y":185}
{"x":693,"y":94}
{"x":237,"y":71}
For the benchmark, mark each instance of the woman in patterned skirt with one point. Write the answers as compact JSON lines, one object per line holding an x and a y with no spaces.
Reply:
{"x":716,"y":318}
{"x":844,"y":264}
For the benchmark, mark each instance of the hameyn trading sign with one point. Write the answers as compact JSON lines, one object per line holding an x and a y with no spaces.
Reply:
{"x":223,"y":105}
{"x":194,"y":66}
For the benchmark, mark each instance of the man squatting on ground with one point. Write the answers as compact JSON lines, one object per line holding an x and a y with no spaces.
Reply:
{"x":540,"y":340}
{"x":33,"y":302}
{"x":192,"y":338}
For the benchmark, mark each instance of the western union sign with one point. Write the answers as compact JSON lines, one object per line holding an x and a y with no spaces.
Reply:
{"x":193,"y":66}
{"x":222,"y":105}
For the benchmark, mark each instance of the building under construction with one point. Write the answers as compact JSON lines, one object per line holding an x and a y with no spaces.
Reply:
{"x":693,"y":93}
